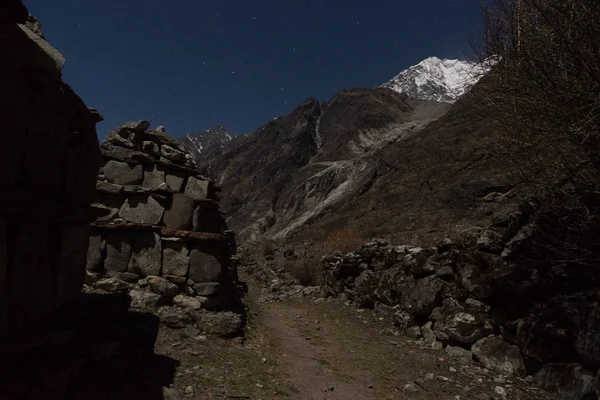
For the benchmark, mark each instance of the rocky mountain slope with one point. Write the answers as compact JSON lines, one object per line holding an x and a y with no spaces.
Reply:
{"x":437,"y":79}
{"x":209,"y":141}
{"x":298,"y":168}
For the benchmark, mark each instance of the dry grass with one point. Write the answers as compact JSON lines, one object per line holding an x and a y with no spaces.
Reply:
{"x":306,"y":270}
{"x":344,"y":240}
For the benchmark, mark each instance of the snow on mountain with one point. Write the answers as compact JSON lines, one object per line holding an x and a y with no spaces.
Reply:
{"x":201,"y":142}
{"x":436,"y":79}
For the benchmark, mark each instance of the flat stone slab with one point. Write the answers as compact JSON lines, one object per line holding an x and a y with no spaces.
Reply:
{"x":142,"y":209}
{"x":179,"y":216}
{"x":118,"y":251}
{"x":174,"y":179}
{"x":204,"y":267}
{"x":146,"y":256}
{"x":176,"y":259}
{"x":153,"y":178}
{"x":196,"y":188}
{"x":121,"y":173}
{"x":95,"y":260}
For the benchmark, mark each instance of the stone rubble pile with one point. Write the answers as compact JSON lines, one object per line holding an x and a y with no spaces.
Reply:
{"x":514,"y":319}
{"x":161,"y":237}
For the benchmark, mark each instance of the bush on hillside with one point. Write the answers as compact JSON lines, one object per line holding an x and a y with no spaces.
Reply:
{"x":545,"y":91}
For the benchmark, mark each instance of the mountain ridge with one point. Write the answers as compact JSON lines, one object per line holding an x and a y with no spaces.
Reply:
{"x":444,"y":80}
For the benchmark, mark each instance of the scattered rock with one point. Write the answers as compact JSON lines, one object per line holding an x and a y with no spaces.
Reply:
{"x":459,"y":353}
{"x":501,"y":392}
{"x":218,"y":323}
{"x":174,"y":318}
{"x":414,"y":332}
{"x":124,"y":276}
{"x":170,"y":394}
{"x":146,"y":300}
{"x":112,"y":285}
{"x":189,"y":332}
{"x":409,"y":387}
{"x":162,"y":287}
{"x":187,"y":302}
{"x":206,"y":289}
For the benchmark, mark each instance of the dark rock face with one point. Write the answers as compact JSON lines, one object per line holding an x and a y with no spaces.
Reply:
{"x":42,"y":202}
{"x":57,"y":341}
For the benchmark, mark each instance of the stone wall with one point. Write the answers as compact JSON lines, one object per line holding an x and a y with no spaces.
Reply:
{"x":470,"y":297}
{"x":161,"y":221}
{"x":48,"y":160}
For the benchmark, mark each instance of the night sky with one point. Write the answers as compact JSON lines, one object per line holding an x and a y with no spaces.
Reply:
{"x":189,"y":65}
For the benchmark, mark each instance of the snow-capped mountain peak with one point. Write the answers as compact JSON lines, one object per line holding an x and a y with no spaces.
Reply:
{"x":197,"y":143}
{"x":437,"y":79}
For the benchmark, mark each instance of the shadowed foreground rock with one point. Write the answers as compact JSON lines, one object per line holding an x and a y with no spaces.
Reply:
{"x":55,"y":342}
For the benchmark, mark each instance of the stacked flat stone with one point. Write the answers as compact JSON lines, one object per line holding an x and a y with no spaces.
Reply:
{"x":161,"y":218}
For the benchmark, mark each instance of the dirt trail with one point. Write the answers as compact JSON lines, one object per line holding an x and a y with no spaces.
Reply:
{"x":326,"y":350}
{"x":309,"y":349}
{"x":315,"y":362}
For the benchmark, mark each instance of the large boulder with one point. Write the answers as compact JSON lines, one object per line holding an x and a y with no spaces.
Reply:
{"x":462,"y":324}
{"x":497,"y":355}
{"x":571,"y":380}
{"x":420,"y":297}
{"x":221,"y":324}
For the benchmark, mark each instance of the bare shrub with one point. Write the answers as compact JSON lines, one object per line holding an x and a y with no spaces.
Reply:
{"x":306,"y":270}
{"x":545,"y":95}
{"x":344,"y":241}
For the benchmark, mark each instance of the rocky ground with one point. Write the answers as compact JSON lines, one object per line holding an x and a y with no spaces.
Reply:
{"x":307,"y":347}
